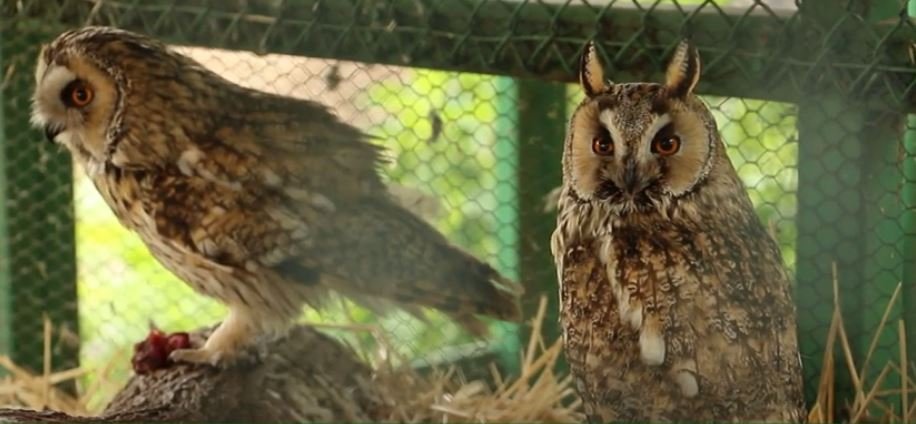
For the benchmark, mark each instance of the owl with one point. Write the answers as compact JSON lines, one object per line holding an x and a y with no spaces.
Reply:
{"x":675,"y":304}
{"x":264,"y":202}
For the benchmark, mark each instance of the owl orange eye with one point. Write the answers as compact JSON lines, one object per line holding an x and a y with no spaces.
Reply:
{"x":667,"y":146}
{"x":666,"y":143}
{"x":602,"y":144}
{"x":77,"y":94}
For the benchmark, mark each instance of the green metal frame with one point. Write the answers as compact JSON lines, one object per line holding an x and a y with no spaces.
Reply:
{"x":6,"y":337}
{"x":848,"y":164}
{"x":759,"y":53}
{"x":850,"y":76}
{"x":541,"y":130}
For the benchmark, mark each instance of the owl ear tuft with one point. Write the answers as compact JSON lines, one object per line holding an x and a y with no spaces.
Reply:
{"x":683,"y":71}
{"x":591,"y":73}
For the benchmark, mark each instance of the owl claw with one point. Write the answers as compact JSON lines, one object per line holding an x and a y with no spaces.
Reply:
{"x":202,"y":356}
{"x":225,"y":344}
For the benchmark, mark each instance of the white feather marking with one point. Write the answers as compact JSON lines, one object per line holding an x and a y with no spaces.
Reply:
{"x":658,"y":123}
{"x":297,"y":193}
{"x":317,"y":200}
{"x":607,"y":118}
{"x":94,"y":167}
{"x":232,"y":185}
{"x":251,"y":266}
{"x":322,"y":202}
{"x":188,"y":161}
{"x":48,"y":108}
{"x":635,"y":317}
{"x":287,"y":220}
{"x":688,"y":383}
{"x":271,"y":178}
{"x":605,"y":251}
{"x":273,"y":257}
{"x":651,"y":344}
{"x":189,"y":164}
{"x":206,"y":245}
{"x":300,"y":233}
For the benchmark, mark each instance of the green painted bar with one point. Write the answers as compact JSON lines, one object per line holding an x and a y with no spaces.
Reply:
{"x":6,"y":336}
{"x":506,"y":213}
{"x":908,"y":222}
{"x":541,"y":128}
{"x":886,"y":239}
{"x":830,"y":229}
{"x":849,"y":212}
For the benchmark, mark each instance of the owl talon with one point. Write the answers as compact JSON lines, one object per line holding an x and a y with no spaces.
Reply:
{"x":224,"y":345}
{"x":202,"y":356}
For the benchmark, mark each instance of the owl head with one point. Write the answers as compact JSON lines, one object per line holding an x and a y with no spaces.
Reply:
{"x":113,"y":95}
{"x":640,"y":146}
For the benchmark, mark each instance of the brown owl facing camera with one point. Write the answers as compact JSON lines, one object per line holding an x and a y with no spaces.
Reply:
{"x":675,"y":303}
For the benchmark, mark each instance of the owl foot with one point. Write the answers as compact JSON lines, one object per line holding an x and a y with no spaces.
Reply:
{"x":225,"y":344}
{"x":202,"y":356}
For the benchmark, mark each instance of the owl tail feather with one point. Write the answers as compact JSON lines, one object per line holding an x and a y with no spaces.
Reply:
{"x":495,"y":296}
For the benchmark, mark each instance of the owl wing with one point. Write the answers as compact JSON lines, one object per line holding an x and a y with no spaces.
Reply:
{"x":280,"y":143}
{"x":317,"y":211}
{"x":721,"y":296}
{"x":377,"y":248}
{"x":750,"y":333}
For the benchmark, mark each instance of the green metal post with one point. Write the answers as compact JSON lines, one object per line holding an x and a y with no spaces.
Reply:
{"x":908,"y":221}
{"x":541,"y":128}
{"x":506,"y":153}
{"x":885,"y":225}
{"x":849,"y":214}
{"x":830,"y":227}
{"x":37,"y":237}
{"x":6,"y":338}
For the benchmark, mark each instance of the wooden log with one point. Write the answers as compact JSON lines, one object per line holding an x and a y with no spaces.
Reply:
{"x":303,"y":377}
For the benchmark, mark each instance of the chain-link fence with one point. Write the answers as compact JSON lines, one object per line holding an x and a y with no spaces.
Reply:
{"x":471,"y":97}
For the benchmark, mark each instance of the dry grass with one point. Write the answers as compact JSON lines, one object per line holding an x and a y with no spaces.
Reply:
{"x":870,"y":403}
{"x":22,"y":388}
{"x":538,"y":394}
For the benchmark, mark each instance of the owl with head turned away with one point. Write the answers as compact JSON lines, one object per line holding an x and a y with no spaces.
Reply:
{"x":675,"y":304}
{"x":263,"y":202}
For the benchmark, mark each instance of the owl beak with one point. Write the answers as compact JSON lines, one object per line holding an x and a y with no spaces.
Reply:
{"x":51,"y":131}
{"x":630,"y":178}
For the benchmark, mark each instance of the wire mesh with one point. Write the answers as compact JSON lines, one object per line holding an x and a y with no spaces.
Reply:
{"x":464,"y":95}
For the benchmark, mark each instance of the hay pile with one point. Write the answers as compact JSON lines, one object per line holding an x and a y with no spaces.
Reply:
{"x":537,"y":395}
{"x":871,"y":403}
{"x":21,"y":388}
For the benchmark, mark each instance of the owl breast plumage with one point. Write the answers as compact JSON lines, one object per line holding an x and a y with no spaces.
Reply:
{"x":675,"y":303}
{"x":264,"y":202}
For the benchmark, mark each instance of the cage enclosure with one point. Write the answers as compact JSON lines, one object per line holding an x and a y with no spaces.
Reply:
{"x":471,"y":100}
